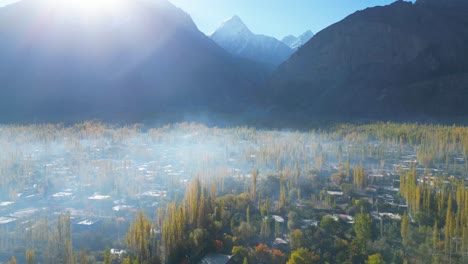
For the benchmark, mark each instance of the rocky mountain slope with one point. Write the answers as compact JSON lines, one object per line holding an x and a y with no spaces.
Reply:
{"x":399,"y":61}
{"x":135,"y":59}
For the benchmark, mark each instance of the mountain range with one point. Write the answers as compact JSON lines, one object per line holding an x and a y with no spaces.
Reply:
{"x":148,"y":60}
{"x":235,"y":37}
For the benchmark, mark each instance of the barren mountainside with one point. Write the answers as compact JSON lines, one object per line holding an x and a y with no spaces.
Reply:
{"x":402,"y":60}
{"x":63,"y":61}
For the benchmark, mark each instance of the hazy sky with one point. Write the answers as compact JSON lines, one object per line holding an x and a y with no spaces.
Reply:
{"x":276,"y":18}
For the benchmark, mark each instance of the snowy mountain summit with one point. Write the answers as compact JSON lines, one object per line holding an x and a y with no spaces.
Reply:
{"x":232,"y":27}
{"x":296,"y":42}
{"x":235,"y":37}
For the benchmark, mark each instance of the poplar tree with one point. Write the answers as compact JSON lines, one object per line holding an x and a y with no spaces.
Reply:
{"x":404,"y":229}
{"x":30,"y":256}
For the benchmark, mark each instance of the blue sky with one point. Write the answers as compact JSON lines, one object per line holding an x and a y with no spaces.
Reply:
{"x":276,"y":18}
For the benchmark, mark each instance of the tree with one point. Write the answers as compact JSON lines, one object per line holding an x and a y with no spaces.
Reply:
{"x":337,"y":178}
{"x":140,"y":238}
{"x":263,"y":253}
{"x":360,"y":178}
{"x":435,"y":236}
{"x":363,"y":226}
{"x":245,"y":232}
{"x":278,"y":257}
{"x":404,"y":230}
{"x":64,"y":240}
{"x":83,"y":257}
{"x":302,"y":256}
{"x":375,"y":259}
{"x":253,"y":187}
{"x":292,"y":220}
{"x":282,"y":198}
{"x":297,"y":239}
{"x":30,"y":256}
{"x":363,"y":229}
{"x":329,"y":225}
{"x":239,"y":253}
{"x":265,"y":231}
{"x":107,"y":256}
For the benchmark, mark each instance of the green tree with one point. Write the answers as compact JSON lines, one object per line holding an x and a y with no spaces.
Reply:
{"x":107,"y":256}
{"x":292,"y":220}
{"x":245,"y":232}
{"x":329,"y":225}
{"x":363,"y":229}
{"x":404,"y":229}
{"x":375,"y":259}
{"x":363,"y":226}
{"x":239,"y":253}
{"x":127,"y":260}
{"x":302,"y":256}
{"x":296,"y":239}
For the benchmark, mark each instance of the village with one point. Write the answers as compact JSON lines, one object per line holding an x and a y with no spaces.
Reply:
{"x":102,"y":183}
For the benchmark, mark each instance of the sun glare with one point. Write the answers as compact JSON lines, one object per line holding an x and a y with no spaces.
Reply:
{"x":93,"y":7}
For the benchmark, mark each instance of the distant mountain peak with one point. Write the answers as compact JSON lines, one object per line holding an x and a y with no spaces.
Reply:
{"x":296,"y":42}
{"x":307,"y":33}
{"x":235,"y":37}
{"x":289,"y":40}
{"x":232,"y":26}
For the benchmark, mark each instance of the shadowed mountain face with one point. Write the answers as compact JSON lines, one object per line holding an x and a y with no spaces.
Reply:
{"x":58,"y":60}
{"x":399,"y":61}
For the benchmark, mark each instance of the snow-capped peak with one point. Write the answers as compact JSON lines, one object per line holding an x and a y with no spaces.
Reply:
{"x":233,"y":26}
{"x":296,"y":42}
{"x":289,"y":40}
{"x":234,"y":36}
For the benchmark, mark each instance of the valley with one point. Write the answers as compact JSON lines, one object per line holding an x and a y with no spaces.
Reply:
{"x":103,"y":176}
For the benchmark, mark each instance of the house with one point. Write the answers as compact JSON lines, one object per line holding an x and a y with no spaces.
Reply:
{"x":117,"y":252}
{"x":215,"y":259}
{"x":307,"y":222}
{"x":278,"y":218}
